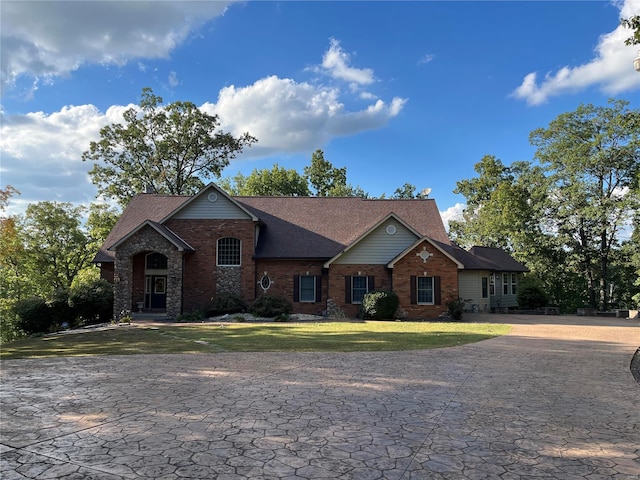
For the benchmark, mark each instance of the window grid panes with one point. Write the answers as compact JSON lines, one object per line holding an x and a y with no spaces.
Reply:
{"x":514,"y":284}
{"x":229,"y":252}
{"x":307,"y":288}
{"x":358,"y":289}
{"x":425,"y":290}
{"x":505,"y":284}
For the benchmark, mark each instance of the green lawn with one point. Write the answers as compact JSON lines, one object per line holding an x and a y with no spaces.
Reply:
{"x":247,"y":337}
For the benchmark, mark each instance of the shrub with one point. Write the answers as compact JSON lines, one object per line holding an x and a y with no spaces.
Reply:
{"x":271,"y":306}
{"x":34,"y":315}
{"x":226,"y":303}
{"x":455,"y":307}
{"x":531,"y":297}
{"x":380,"y":305}
{"x":9,"y":328}
{"x":59,"y":309}
{"x":92,"y":302}
{"x":192,"y":317}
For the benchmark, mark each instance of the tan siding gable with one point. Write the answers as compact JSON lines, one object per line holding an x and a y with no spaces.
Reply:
{"x":203,"y":208}
{"x":379,"y":247}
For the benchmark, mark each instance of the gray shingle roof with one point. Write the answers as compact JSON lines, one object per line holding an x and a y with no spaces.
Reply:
{"x":295,"y":227}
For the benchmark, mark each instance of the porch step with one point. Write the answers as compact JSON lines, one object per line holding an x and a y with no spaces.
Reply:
{"x":150,"y":317}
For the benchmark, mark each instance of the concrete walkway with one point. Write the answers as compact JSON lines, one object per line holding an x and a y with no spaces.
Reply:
{"x":555,"y":399}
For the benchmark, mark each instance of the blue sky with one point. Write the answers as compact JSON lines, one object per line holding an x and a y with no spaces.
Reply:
{"x":397,"y":92}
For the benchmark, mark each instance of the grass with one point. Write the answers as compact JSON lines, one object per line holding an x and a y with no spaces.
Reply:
{"x":271,"y":337}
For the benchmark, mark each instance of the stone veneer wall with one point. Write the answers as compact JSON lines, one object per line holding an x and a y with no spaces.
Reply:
{"x":146,"y":240}
{"x":228,"y":280}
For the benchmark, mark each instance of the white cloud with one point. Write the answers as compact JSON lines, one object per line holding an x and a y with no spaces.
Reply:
{"x":426,"y":59}
{"x":452,"y":213}
{"x":335,"y":62}
{"x":173,"y":79}
{"x":44,"y":40}
{"x":611,"y":68}
{"x":41,"y":154}
{"x":287,"y":116}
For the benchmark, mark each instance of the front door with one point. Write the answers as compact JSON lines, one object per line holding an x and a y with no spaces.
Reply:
{"x":156,"y":292}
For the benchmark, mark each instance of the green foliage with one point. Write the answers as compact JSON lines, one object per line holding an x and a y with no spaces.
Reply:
{"x":9,"y":323}
{"x":60,"y":310}
{"x":92,"y":302}
{"x":56,"y":247}
{"x":407,"y":191}
{"x":531,"y":297}
{"x":380,"y":305}
{"x":268,"y":306}
{"x":632,"y":23}
{"x":191,"y":317}
{"x":329,"y":181}
{"x":34,"y":315}
{"x":167,"y":147}
{"x":275,"y":182}
{"x":225,"y":303}
{"x":455,"y":308}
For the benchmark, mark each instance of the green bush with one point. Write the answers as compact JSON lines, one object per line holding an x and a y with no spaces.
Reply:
{"x":34,"y":315}
{"x":192,"y":317}
{"x":92,"y":302}
{"x":531,"y":297}
{"x":455,"y":308}
{"x":226,"y":303}
{"x":60,"y":311}
{"x":380,"y":305}
{"x":270,"y":306}
{"x":9,"y":328}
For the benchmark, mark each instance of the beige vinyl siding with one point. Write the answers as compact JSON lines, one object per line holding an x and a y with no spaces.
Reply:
{"x":379,"y":247}
{"x":201,"y":209}
{"x":500,"y":299}
{"x":470,"y":289}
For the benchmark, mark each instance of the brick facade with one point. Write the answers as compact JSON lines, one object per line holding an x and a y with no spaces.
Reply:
{"x":436,"y":265}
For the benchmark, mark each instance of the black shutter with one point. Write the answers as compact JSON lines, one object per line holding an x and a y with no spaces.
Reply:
{"x":436,"y":291}
{"x":347,"y":289}
{"x":318,"y":288}
{"x":414,"y":290}
{"x":371,"y":284}
{"x":296,"y":288}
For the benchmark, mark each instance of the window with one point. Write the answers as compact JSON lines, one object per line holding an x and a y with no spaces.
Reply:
{"x":228,"y":252}
{"x":505,"y":284}
{"x":485,"y":287}
{"x":425,"y":290}
{"x":307,"y":288}
{"x":358,"y":288}
{"x":156,"y":261}
{"x":514,"y":284}
{"x":492,"y":284}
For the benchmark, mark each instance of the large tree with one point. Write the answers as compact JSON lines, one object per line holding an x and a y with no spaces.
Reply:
{"x":592,"y":158}
{"x":632,"y":23}
{"x":169,"y":148}
{"x":56,"y":246}
{"x":329,"y":181}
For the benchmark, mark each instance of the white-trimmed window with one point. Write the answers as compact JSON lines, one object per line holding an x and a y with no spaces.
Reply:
{"x":492,"y":284}
{"x":514,"y":284}
{"x":505,"y":284}
{"x":359,"y":288}
{"x":424,"y":289}
{"x":229,"y":252}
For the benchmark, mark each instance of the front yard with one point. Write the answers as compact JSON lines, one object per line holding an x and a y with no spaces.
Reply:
{"x":267,"y":337}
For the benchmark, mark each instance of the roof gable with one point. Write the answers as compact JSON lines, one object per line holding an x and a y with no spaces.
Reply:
{"x":165,"y":232}
{"x":437,"y":245}
{"x":211,"y":203}
{"x":378,"y":244}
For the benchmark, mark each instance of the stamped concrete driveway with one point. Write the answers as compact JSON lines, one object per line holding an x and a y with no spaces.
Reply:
{"x":554,"y":399}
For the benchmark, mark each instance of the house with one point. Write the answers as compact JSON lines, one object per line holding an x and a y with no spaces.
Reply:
{"x":174,"y":253}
